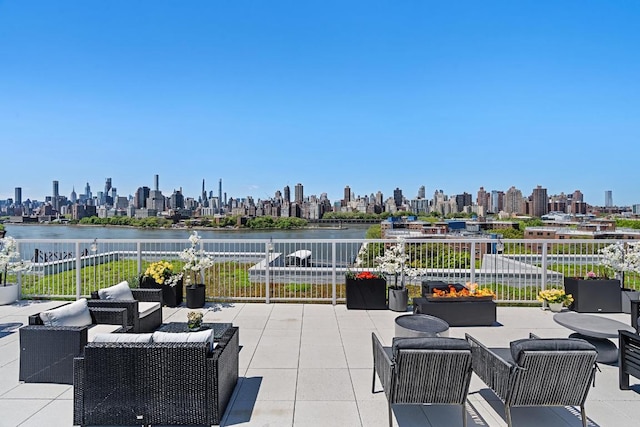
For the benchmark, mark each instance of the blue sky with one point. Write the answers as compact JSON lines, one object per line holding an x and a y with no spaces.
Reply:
{"x":371,"y":94}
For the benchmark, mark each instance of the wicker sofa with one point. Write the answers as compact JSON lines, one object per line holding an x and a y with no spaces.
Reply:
{"x":155,"y":383}
{"x":47,"y":352}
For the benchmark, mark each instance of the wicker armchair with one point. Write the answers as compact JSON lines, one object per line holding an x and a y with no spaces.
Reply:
{"x":628,"y":357}
{"x":155,"y":383}
{"x":47,"y":352}
{"x":138,"y":323}
{"x":423,"y":370}
{"x":537,"y":372}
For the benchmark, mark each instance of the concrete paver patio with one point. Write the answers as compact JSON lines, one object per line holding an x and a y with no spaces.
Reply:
{"x":311,"y":365}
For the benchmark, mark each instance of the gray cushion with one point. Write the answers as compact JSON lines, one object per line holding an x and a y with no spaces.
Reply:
{"x":73,"y":314}
{"x":145,"y":338}
{"x":430,"y":343}
{"x":200,"y":336}
{"x":121,"y":291}
{"x":547,"y":344}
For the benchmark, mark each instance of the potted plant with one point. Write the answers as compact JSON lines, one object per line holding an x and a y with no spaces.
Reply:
{"x":10,"y":262}
{"x":556,"y":298}
{"x":394,"y":262}
{"x":623,"y":257}
{"x":366,"y":290}
{"x":196,"y":261}
{"x":160,"y":275}
{"x":194,"y":320}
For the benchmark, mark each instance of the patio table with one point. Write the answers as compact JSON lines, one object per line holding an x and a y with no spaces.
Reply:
{"x":596,"y":330}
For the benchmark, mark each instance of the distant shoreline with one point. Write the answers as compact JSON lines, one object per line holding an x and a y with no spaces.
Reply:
{"x":199,"y":227}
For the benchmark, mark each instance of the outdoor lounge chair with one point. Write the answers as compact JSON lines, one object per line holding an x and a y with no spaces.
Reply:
{"x":628,"y":357}
{"x":434,"y":370}
{"x":155,"y":383}
{"x":144,"y":306}
{"x":537,"y":372}
{"x":635,"y":314}
{"x":47,"y":352}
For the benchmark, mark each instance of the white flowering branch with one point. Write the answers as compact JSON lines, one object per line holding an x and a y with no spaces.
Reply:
{"x":195,"y":258}
{"x":10,"y":261}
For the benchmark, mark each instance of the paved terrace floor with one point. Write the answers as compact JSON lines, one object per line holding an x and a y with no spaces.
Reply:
{"x":311,"y":365}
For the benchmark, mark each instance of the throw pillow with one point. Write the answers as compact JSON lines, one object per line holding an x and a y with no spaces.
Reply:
{"x":73,"y":314}
{"x":121,"y":291}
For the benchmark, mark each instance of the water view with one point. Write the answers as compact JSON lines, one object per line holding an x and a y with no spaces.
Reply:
{"x":356,"y":231}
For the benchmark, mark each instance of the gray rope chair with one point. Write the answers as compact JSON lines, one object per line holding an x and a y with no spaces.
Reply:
{"x":537,"y":372}
{"x":435,"y":370}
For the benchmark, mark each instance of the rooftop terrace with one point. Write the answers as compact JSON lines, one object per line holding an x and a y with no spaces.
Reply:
{"x":311,"y":365}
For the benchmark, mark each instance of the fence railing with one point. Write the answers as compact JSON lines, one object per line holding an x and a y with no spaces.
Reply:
{"x":314,"y":269}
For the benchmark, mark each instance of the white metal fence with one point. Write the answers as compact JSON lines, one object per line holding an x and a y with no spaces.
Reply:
{"x":312,"y":270}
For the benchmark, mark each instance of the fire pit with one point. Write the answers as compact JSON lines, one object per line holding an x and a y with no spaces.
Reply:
{"x":456,"y":304}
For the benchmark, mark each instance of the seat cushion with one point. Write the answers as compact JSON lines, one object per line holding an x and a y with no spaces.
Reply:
{"x":518,"y":347}
{"x":72,"y":314}
{"x":101,"y":328}
{"x":146,"y":308}
{"x":200,"y":336}
{"x":121,"y":291}
{"x":144,"y":338}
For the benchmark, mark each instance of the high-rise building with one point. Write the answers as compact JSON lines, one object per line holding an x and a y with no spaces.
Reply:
{"x":220,"y":207}
{"x":87,"y":192}
{"x":18,"y":196}
{"x":422,"y":192}
{"x":299,"y":193}
{"x":463,"y":200}
{"x":482,"y":199}
{"x":608,"y":199}
{"x":74,"y":196}
{"x":539,"y":202}
{"x":56,"y":195}
{"x":203,"y":196}
{"x":156,"y":182}
{"x":287,"y":194}
{"x":140,"y":198}
{"x":397,"y":197}
{"x":347,"y":196}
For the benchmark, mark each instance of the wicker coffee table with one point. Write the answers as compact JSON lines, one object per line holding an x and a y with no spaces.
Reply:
{"x":218,"y":328}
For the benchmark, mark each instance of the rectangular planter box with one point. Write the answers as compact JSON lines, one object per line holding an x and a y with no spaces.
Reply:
{"x":470,"y":312}
{"x":366,"y":294}
{"x":594,"y":296}
{"x":171,"y":295}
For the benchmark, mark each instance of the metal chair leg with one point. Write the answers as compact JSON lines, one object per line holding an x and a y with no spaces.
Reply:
{"x":507,"y":410}
{"x":584,"y":416}
{"x":464,"y":414}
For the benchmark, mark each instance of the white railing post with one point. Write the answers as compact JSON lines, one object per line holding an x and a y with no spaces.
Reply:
{"x":78,"y":271}
{"x":139,"y":254}
{"x":267,"y":253}
{"x":333,"y":273}
{"x":543,"y":276}
{"x":472,"y":274}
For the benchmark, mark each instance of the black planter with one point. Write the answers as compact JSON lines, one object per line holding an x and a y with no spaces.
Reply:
{"x":366,"y":294}
{"x":171,"y":295}
{"x":195,"y":296}
{"x":594,"y":296}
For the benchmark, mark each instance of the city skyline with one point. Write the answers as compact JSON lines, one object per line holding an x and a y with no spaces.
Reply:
{"x":91,"y":192}
{"x":380,"y":96}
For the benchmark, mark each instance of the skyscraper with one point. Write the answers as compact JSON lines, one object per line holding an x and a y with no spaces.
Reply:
{"x":56,"y":195}
{"x":220,"y":196}
{"x":287,"y":194}
{"x":539,"y":202}
{"x":299,"y":193}
{"x":397,"y":197}
{"x":156,"y":182}
{"x":347,"y":196}
{"x":18,"y":196}
{"x":422,"y":192}
{"x":608,"y":199}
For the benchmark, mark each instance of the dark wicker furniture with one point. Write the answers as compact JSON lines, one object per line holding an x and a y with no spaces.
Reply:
{"x":628,"y":358}
{"x":47,"y":352}
{"x":635,"y":314}
{"x":537,"y":376}
{"x":138,"y":324}
{"x":155,"y":383}
{"x":423,"y":370}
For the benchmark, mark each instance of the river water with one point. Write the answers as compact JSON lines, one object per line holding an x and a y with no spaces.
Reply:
{"x":33,"y":231}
